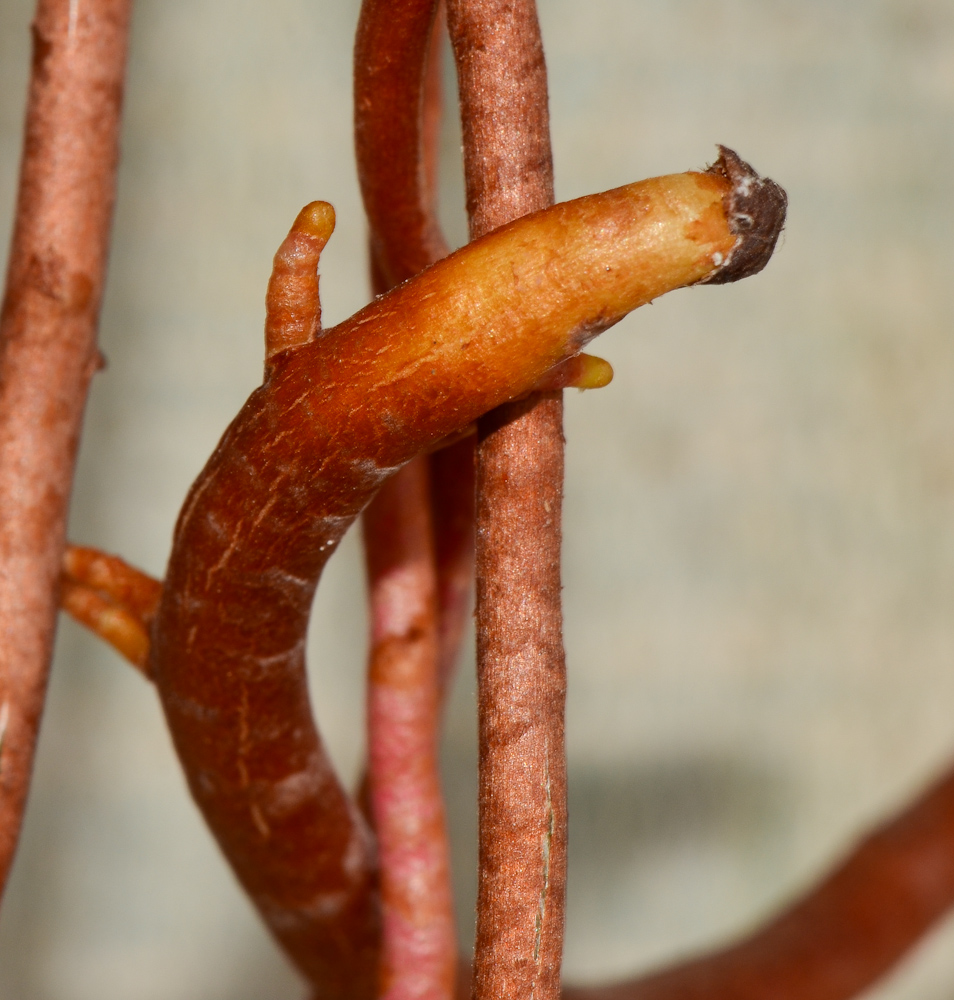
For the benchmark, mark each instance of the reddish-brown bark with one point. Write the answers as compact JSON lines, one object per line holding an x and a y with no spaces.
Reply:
{"x":521,"y":667}
{"x":335,"y":417}
{"x":288,"y":478}
{"x":48,"y":348}
{"x":842,"y":936}
{"x":508,"y":165}
{"x":521,"y":696}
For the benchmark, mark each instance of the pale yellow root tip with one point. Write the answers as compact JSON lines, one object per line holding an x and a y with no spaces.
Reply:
{"x":583,"y":371}
{"x":593,"y":373}
{"x":316,"y":219}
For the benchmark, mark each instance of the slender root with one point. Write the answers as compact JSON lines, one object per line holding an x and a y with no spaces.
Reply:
{"x":419,"y":948}
{"x":520,"y":660}
{"x":48,"y":352}
{"x":123,"y":631}
{"x":111,"y":598}
{"x":415,"y":616}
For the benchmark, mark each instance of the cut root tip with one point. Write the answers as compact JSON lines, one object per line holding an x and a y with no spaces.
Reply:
{"x":755,"y":207}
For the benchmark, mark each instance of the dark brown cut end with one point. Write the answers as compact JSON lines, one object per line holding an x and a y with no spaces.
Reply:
{"x":755,"y":208}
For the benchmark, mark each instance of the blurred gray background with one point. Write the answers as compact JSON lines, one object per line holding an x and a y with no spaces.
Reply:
{"x":760,"y":509}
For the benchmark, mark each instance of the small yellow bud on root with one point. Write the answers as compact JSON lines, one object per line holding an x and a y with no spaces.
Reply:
{"x":316,"y":219}
{"x":584,"y":371}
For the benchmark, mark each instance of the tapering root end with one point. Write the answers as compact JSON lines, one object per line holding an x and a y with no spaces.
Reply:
{"x":113,"y":624}
{"x":755,"y":208}
{"x":292,"y":304}
{"x":316,"y":219}
{"x":111,"y":598}
{"x":582,"y":371}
